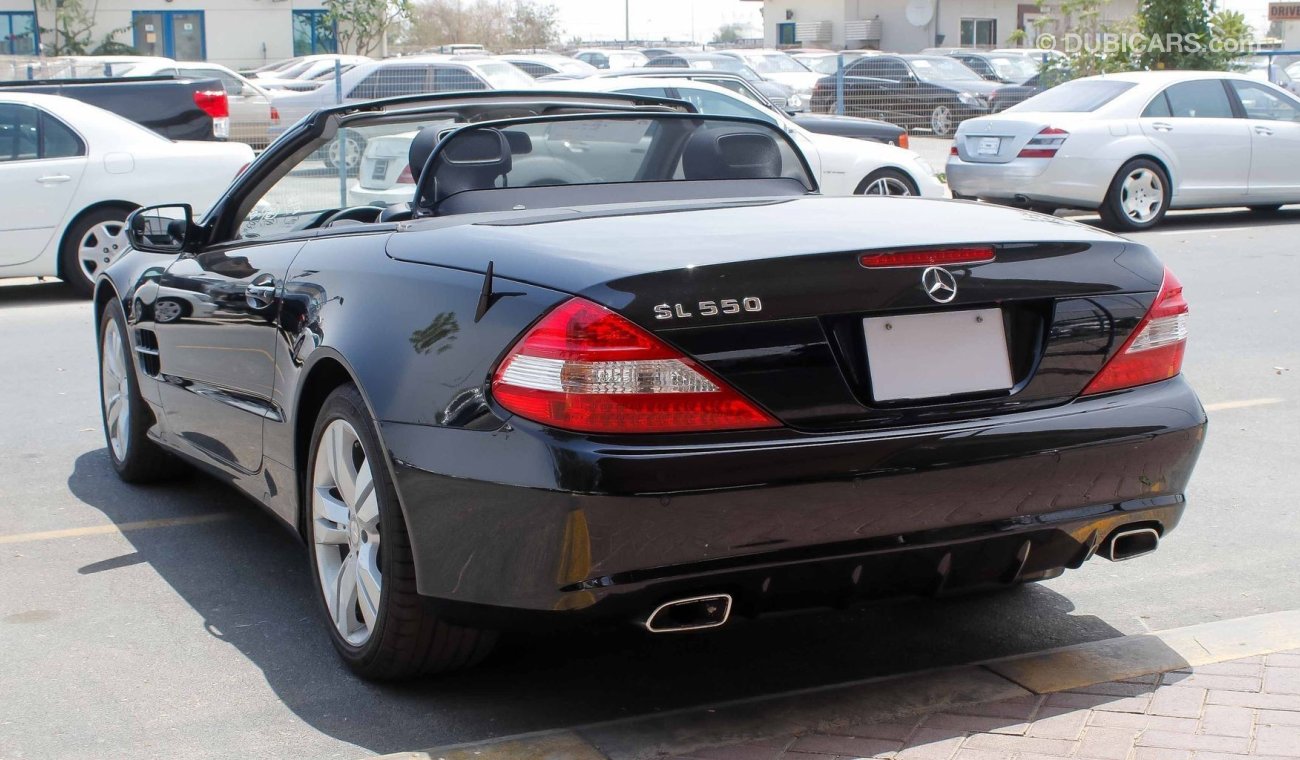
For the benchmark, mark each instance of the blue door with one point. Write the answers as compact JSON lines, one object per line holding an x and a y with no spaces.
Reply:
{"x":170,"y":34}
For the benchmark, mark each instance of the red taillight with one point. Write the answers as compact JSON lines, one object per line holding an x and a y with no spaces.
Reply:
{"x":275,"y":115}
{"x":406,"y":178}
{"x":585,"y":368}
{"x":952,"y":151}
{"x":1044,"y":144}
{"x":1154,"y":351}
{"x":903,"y":141}
{"x":929,"y":257}
{"x":213,"y":102}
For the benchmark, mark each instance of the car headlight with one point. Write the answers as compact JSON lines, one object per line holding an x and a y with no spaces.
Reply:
{"x":795,"y":101}
{"x":973,"y":99}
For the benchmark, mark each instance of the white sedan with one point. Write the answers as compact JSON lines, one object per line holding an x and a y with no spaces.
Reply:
{"x":1132,"y":146}
{"x":70,"y":173}
{"x":842,"y":165}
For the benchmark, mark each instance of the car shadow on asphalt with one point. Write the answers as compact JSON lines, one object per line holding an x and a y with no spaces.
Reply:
{"x":247,"y":577}
{"x":1217,"y":218}
{"x":32,"y":293}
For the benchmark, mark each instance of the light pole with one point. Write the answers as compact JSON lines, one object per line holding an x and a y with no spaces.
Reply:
{"x":627,"y":23}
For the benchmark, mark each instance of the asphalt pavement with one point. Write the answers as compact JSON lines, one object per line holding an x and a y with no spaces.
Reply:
{"x":177,"y":620}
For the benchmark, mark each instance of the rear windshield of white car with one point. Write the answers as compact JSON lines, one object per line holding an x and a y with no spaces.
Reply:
{"x":1079,"y":96}
{"x":503,"y":76}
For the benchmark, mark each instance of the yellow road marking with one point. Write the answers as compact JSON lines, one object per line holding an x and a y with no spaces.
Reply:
{"x":1244,"y":404}
{"x":101,"y":530}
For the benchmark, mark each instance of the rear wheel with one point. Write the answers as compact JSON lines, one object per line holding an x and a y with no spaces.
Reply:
{"x":92,"y":242}
{"x":1138,"y":196}
{"x":361,"y":556}
{"x":941,"y":121}
{"x":887,"y":182}
{"x":135,"y":457}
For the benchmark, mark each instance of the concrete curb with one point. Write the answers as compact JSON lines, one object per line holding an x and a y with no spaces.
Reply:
{"x":892,"y":697}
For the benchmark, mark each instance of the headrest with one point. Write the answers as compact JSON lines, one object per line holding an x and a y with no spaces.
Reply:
{"x":421,"y":147}
{"x":472,"y":160}
{"x":719,"y":154}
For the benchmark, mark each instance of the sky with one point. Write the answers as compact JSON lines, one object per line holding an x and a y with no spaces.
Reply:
{"x":675,"y":19}
{"x":654,"y":19}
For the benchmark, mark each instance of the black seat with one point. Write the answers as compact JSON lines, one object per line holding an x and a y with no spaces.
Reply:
{"x":473,"y":160}
{"x":416,"y":157}
{"x":731,"y":154}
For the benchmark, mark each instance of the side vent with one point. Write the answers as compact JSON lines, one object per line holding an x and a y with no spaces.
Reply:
{"x":146,"y":349}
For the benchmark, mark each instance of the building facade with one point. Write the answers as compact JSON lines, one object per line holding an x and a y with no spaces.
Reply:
{"x":237,"y":33}
{"x":907,"y":26}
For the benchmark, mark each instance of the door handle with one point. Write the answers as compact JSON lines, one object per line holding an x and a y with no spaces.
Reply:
{"x":53,"y":179}
{"x":1260,"y":129}
{"x":261,"y":291}
{"x":1162,"y":126}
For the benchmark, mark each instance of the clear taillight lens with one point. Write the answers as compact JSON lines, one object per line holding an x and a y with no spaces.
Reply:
{"x":1044,"y":144}
{"x":585,"y":368}
{"x":1155,"y":350}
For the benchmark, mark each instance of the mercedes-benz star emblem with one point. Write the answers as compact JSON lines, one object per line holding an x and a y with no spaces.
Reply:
{"x":939,"y":284}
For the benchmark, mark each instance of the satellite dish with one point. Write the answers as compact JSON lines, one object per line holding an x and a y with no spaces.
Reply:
{"x":920,"y":12}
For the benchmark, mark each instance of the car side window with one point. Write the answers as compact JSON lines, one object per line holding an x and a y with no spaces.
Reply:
{"x":1265,"y":103}
{"x":230,"y":84}
{"x":1202,"y":99}
{"x":19,"y":132}
{"x":1158,"y":108}
{"x":895,"y":70}
{"x":715,"y":104}
{"x":392,"y":81}
{"x":58,"y":140}
{"x":534,"y":69}
{"x":867,"y":67}
{"x":454,"y":78}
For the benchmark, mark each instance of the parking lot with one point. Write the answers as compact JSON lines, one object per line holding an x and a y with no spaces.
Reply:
{"x":177,"y":620}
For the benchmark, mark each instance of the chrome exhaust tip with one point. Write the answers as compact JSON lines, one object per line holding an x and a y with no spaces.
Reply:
{"x":696,"y":613}
{"x":1127,"y":544}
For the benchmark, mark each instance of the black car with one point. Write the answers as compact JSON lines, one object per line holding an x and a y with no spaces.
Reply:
{"x":1009,"y":95}
{"x":931,"y":92}
{"x":618,"y":361}
{"x":994,"y":67}
{"x":826,"y":124}
{"x":778,"y":94}
{"x":178,"y":108}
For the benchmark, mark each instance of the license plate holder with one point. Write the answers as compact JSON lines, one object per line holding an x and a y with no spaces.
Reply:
{"x":937,"y":354}
{"x":988,"y":146}
{"x":380,"y":171}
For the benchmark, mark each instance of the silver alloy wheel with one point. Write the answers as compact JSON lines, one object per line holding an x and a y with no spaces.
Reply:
{"x":352,"y":153}
{"x":116,"y":396}
{"x":888,"y":185}
{"x":1142,"y":195}
{"x":167,"y":310}
{"x":941,"y":121}
{"x":100,"y":246}
{"x":345,"y":526}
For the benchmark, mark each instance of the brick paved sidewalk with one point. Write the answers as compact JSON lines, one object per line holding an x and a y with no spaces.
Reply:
{"x":1242,"y":708}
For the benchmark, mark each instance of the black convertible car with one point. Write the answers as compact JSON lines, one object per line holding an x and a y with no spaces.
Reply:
{"x":617,"y":361}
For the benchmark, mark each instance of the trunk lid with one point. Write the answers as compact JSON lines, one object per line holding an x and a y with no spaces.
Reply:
{"x":997,"y":139}
{"x":773,"y":298}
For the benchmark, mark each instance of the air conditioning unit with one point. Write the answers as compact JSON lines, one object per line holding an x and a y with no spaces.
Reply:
{"x":863,"y":31}
{"x":813,"y":31}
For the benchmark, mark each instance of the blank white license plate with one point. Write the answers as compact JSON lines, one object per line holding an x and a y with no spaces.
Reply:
{"x":989,"y":146}
{"x":925,"y":356}
{"x":380,"y":171}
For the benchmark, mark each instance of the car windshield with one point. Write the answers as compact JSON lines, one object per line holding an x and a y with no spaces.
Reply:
{"x":503,"y":76}
{"x":943,"y":70}
{"x":1079,"y":96}
{"x":774,"y":63}
{"x":1013,"y":68}
{"x":828,"y":64}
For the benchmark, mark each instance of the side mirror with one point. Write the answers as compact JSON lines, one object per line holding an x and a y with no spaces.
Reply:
{"x":161,"y":229}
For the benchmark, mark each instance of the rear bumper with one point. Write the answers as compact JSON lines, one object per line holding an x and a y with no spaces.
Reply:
{"x":1060,"y":181}
{"x":518,"y":522}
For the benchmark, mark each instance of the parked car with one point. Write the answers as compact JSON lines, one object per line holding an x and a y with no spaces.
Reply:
{"x":781,"y":95}
{"x":70,"y":173}
{"x":1273,"y":69}
{"x":251,"y":114}
{"x":536,"y":65}
{"x":179,"y":109}
{"x":1006,"y":69}
{"x":508,"y":406}
{"x":315,"y":73}
{"x":842,"y":126}
{"x":1041,"y":57}
{"x":931,"y":92}
{"x":1009,"y":95}
{"x":291,"y":68}
{"x":828,"y":63}
{"x":777,"y":66}
{"x":611,"y":59}
{"x":1132,"y":146}
{"x":391,"y":77}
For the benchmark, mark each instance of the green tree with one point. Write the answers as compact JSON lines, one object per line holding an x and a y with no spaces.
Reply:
{"x":363,"y":25}
{"x":1176,"y":35}
{"x":728,"y":33}
{"x":74,"y":29}
{"x":1232,"y":34}
{"x":533,"y":26}
{"x":1090,"y":40}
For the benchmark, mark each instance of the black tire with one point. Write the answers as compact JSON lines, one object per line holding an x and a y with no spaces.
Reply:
{"x":70,"y":269}
{"x":407,"y":640}
{"x":892,"y":177}
{"x":1266,"y":210}
{"x":1113,"y":213}
{"x":135,"y":457}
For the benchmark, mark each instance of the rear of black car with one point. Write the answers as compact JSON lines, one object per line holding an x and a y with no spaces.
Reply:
{"x":791,"y":429}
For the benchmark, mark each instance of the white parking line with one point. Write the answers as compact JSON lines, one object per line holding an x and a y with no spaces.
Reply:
{"x":1243,"y":404}
{"x":101,"y":530}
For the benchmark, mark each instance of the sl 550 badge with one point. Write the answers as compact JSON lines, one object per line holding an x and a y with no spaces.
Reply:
{"x":708,"y":308}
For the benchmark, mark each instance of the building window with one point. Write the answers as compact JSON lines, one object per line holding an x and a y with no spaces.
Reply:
{"x":170,"y":34}
{"x":313,"y":33}
{"x":785,"y":34}
{"x":979,"y":32}
{"x":18,"y":34}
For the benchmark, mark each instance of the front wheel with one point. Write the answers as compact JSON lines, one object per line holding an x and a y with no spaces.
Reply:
{"x":1138,"y":197}
{"x":887,"y":182}
{"x":941,"y":121}
{"x":135,"y":457}
{"x":361,"y":556}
